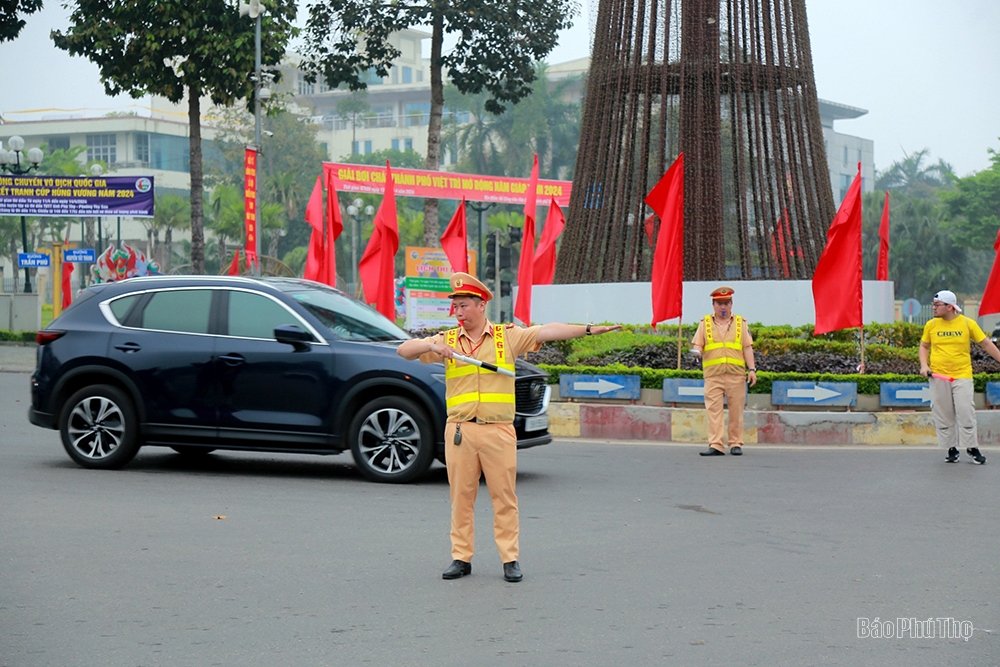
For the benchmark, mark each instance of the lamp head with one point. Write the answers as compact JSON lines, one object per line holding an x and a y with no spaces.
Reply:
{"x":16,"y":143}
{"x":35,"y":156}
{"x":96,"y":170}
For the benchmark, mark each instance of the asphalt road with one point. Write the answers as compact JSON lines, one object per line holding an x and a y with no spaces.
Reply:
{"x":635,"y":554}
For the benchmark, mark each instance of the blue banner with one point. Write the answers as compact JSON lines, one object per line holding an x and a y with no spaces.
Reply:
{"x":76,"y":196}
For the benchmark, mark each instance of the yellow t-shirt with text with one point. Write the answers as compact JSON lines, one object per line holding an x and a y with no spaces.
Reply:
{"x":950,"y":341}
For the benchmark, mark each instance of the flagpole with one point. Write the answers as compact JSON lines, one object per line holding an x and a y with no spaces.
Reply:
{"x":680,"y":321}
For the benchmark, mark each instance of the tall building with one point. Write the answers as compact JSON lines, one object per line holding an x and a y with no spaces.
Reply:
{"x":845,"y":151}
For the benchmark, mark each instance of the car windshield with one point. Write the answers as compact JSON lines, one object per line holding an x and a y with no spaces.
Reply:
{"x":347,"y":318}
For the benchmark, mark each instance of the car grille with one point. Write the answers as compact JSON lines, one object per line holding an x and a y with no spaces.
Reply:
{"x":529,"y":393}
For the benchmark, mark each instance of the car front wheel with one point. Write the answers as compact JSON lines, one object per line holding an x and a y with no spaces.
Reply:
{"x":391,"y":440}
{"x":99,"y":427}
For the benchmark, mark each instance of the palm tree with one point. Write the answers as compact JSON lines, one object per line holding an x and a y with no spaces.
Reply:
{"x":171,"y":212}
{"x":912,"y":178}
{"x":225,"y":216}
{"x":272,"y":222}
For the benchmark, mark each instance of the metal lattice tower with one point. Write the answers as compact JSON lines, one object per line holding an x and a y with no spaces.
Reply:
{"x":730,"y":83}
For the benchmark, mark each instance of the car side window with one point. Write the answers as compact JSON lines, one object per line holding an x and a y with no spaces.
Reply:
{"x":184,"y":311}
{"x":120,"y":307}
{"x":255,"y":316}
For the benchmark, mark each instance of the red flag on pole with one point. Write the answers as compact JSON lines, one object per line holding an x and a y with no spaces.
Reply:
{"x":334,"y":226}
{"x":545,"y":255}
{"x":648,"y":225}
{"x":882,"y":272}
{"x":667,"y":201}
{"x":525,"y":268}
{"x":991,"y":295}
{"x":454,"y":243}
{"x":67,"y":282}
{"x":314,"y":216}
{"x":836,"y":284}
{"x":377,"y":267}
{"x":234,"y":266}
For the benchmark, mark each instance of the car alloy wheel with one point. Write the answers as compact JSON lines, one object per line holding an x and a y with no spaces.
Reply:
{"x":98,"y":427}
{"x":391,"y":441}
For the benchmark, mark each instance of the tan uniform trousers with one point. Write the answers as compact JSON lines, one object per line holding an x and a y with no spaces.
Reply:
{"x":732,"y":386}
{"x":490,"y":449}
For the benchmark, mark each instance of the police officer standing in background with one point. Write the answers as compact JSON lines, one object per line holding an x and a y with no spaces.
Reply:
{"x":479,"y":436}
{"x":725,"y":347}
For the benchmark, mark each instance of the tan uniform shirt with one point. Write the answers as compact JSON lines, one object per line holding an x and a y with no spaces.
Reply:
{"x":518,"y":340}
{"x":727,"y":334}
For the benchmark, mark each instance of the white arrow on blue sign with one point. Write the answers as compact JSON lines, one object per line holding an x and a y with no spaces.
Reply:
{"x":904,"y":394}
{"x":683,"y":390}
{"x":599,"y":386}
{"x":32,"y":259}
{"x":813,"y":393}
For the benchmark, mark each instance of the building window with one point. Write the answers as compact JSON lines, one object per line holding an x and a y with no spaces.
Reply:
{"x":395,"y":144}
{"x":354,"y":148}
{"x":408,"y":144}
{"x":420,"y":76}
{"x":845,"y":184}
{"x":57,"y":143}
{"x":306,"y":88}
{"x":142,"y":148}
{"x":368,"y":147}
{"x":101,"y":148}
{"x":371,"y":77}
{"x":417,"y":113}
{"x":407,"y":74}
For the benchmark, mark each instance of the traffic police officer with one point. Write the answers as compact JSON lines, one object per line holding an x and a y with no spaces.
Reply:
{"x":725,"y":347}
{"x":479,"y":435}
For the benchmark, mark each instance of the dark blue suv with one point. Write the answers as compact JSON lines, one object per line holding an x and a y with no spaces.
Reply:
{"x":198,"y":363}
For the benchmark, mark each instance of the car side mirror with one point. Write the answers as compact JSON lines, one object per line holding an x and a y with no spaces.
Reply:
{"x":294,"y":336}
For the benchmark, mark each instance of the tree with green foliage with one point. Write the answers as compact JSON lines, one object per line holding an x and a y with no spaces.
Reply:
{"x":352,"y":109}
{"x":912,"y":178}
{"x":974,"y":206}
{"x":171,"y":212}
{"x":178,"y":48}
{"x":11,"y":12}
{"x":497,"y":44}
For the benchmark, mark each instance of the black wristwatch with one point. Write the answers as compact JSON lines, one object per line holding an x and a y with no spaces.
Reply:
{"x":588,"y":330}
{"x":751,"y":370}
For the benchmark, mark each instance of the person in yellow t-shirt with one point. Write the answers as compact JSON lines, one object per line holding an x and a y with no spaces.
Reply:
{"x":944,"y":351}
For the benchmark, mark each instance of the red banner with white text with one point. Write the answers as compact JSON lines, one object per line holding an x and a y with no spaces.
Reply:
{"x":250,"y":202}
{"x":445,"y":185}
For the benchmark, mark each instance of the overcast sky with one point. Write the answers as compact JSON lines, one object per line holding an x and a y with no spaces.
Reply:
{"x":927,"y":71}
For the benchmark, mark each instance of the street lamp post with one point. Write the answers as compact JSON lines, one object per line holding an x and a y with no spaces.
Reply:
{"x":261,"y":94}
{"x":11,"y":161}
{"x":480,"y":249}
{"x":354,"y":210}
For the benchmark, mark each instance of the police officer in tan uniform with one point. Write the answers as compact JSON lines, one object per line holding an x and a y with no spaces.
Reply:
{"x":479,"y":436}
{"x":725,"y":347}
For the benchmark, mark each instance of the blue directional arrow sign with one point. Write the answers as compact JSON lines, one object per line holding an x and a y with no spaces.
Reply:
{"x":814,"y":393}
{"x":32,"y":259}
{"x":904,"y":394}
{"x":993,"y":393}
{"x":599,"y":386}
{"x":683,"y":390}
{"x":80,"y":255}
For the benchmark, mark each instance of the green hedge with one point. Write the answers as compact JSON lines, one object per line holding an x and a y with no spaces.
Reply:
{"x":17,"y":336}
{"x":652,"y":378}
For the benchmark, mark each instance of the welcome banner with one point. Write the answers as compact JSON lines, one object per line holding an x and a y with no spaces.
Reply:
{"x":76,"y":196}
{"x":250,"y":202}
{"x":445,"y":185}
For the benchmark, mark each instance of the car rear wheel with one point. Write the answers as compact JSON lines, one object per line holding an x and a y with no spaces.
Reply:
{"x":99,"y":428}
{"x":391,"y":440}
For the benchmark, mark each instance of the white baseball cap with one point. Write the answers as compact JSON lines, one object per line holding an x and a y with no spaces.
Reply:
{"x":948,"y":297}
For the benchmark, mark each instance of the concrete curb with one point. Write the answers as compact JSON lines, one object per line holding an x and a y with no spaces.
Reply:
{"x":689,"y":425}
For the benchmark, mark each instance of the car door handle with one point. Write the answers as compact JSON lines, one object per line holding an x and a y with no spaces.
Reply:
{"x":233,"y":359}
{"x":129,"y":348}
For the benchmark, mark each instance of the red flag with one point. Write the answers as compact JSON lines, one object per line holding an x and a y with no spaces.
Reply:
{"x":991,"y":295}
{"x":454,"y":243}
{"x":667,"y":201}
{"x":836,"y":284}
{"x":314,"y":216}
{"x":649,"y":224}
{"x":882,"y":272}
{"x":67,"y":284}
{"x":334,"y":227}
{"x":377,"y":267}
{"x":525,"y":268}
{"x":545,"y":255}
{"x":234,"y":266}
{"x":782,"y":224}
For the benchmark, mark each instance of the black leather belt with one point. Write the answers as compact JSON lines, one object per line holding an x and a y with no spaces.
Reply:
{"x":475,"y":420}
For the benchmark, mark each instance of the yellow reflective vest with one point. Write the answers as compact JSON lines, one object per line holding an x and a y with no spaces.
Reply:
{"x":474,"y":392}
{"x":719,"y":356}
